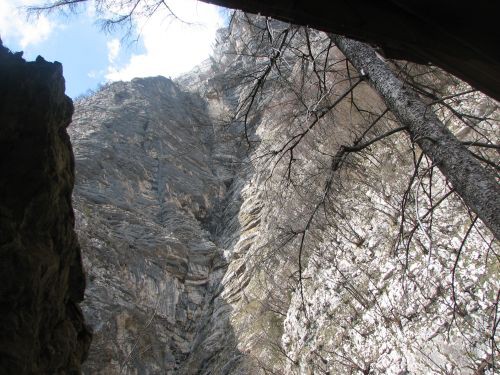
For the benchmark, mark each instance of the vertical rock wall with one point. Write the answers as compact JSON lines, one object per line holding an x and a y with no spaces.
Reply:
{"x":148,"y":180}
{"x":41,"y":277}
{"x":194,"y":248}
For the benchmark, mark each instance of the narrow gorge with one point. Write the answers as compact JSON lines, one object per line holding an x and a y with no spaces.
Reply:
{"x":267,"y":214}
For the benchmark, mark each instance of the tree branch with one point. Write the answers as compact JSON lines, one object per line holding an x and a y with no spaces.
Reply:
{"x":476,"y":185}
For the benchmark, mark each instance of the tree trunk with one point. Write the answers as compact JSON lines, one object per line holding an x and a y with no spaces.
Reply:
{"x":476,"y":186}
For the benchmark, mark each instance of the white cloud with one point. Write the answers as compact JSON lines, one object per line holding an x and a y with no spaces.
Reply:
{"x":171,"y":47}
{"x":113,"y":50}
{"x":16,"y":28}
{"x":34,"y":33}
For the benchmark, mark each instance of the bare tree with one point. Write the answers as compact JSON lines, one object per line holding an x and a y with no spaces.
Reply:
{"x":475,"y":184}
{"x":327,"y":130}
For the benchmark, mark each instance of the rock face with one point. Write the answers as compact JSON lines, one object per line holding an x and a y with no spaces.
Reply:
{"x":214,"y":244}
{"x":148,"y":180}
{"x":206,"y":256}
{"x":41,"y":276}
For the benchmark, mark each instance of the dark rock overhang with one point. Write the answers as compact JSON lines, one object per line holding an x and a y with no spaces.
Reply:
{"x":463,"y":38}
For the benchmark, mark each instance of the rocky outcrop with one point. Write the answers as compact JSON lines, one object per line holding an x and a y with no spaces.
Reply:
{"x":41,"y":277}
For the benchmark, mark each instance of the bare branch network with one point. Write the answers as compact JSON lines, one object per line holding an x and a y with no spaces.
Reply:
{"x":326,"y":133}
{"x":381,"y":188}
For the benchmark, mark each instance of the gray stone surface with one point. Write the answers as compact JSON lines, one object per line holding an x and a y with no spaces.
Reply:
{"x":192,"y":242}
{"x":147,"y":183}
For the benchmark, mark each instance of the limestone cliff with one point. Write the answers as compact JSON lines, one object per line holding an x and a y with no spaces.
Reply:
{"x":212,"y":248}
{"x":147,"y":183}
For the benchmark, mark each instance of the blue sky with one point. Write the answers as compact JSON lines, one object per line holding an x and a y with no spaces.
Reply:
{"x":90,"y":56}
